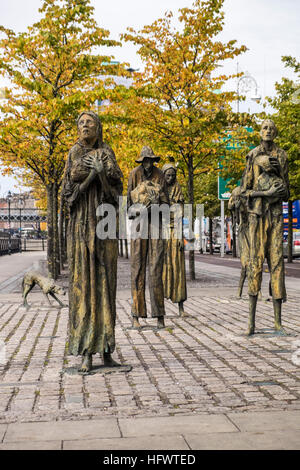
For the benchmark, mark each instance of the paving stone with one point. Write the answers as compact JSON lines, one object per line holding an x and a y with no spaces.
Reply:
{"x":60,"y":429}
{"x":199,"y":364}
{"x":266,"y":420}
{"x":162,"y":442}
{"x":3,"y":428}
{"x":36,"y":445}
{"x":175,"y":425}
{"x":264,"y":440}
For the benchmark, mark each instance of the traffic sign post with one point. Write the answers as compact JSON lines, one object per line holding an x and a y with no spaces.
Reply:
{"x":223,"y":194}
{"x":223,"y":191}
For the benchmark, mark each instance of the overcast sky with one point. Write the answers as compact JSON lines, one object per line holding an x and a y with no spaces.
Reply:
{"x":269,"y":28}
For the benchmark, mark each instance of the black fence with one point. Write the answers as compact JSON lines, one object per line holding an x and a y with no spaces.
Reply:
{"x":34,"y":244}
{"x":9,"y":245}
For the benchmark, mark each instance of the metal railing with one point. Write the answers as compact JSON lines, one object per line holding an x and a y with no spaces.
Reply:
{"x":9,"y":245}
{"x":34,"y":244}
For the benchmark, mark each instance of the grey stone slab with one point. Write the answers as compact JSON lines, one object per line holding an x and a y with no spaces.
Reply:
{"x":59,"y":430}
{"x":175,"y":425}
{"x":266,"y":420}
{"x":267,"y":440}
{"x":174,"y":442}
{"x":28,"y":445}
{"x":3,"y":428}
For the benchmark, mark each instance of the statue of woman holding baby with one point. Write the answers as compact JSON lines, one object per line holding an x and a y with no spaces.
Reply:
{"x":92,"y":177}
{"x":265,"y":184}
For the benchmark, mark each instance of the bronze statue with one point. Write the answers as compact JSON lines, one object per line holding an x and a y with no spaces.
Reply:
{"x":48,"y":286}
{"x":146,"y":185}
{"x":265,"y":185}
{"x":174,"y":278}
{"x":92,"y":177}
{"x":238,"y":209}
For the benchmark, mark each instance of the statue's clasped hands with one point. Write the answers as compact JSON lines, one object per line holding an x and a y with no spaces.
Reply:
{"x":277,"y":190}
{"x":275,"y":164}
{"x":93,"y":162}
{"x":152,"y":198}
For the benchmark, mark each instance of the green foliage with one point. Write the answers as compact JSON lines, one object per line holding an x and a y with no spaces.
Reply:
{"x":54,"y":73}
{"x":179,"y":99}
{"x":287,"y":119}
{"x":206,"y":192}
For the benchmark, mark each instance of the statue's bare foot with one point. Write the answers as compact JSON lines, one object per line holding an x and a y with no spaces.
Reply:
{"x":108,"y":361}
{"x":181,"y":309}
{"x":160,"y":322}
{"x":136,"y":323}
{"x":86,"y":364}
{"x":250,"y":332}
{"x":280,"y":330}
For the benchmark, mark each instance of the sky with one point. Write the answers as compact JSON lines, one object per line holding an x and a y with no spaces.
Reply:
{"x":269,"y":29}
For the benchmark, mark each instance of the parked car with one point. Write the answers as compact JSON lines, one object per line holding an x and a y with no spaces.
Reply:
{"x":218,"y":244}
{"x":207,"y":246}
{"x":296,"y":245}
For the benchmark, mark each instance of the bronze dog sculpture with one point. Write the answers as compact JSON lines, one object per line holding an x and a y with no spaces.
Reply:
{"x":47,"y":285}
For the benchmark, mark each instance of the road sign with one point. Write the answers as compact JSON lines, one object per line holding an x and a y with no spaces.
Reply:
{"x":224,"y":192}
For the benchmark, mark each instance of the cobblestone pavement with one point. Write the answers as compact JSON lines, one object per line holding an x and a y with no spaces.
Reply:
{"x":200,"y":364}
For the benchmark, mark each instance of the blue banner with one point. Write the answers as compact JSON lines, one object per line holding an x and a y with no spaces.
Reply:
{"x":296,"y":217}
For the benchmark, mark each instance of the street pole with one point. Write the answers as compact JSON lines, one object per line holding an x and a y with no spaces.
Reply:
{"x":21,"y":204}
{"x":20,"y":229}
{"x":222,"y":228}
{"x":248,"y":82}
{"x":9,"y":236}
{"x":238,"y":97}
{"x":199,"y":216}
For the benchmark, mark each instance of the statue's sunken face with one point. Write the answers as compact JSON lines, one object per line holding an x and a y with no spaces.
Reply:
{"x":268,"y":130}
{"x":170,"y":176}
{"x":87,"y":127}
{"x":147,"y":164}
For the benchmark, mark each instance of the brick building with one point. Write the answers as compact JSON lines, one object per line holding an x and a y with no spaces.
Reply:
{"x":21,"y":212}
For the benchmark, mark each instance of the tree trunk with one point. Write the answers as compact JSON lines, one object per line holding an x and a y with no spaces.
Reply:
{"x":53,"y":235}
{"x":234,"y":225}
{"x":66,"y":220}
{"x":121,"y":247}
{"x":126,"y":248}
{"x":55,"y":231}
{"x":61,"y":230}
{"x":211,"y":250}
{"x":191,"y":201}
{"x":50,"y":236}
{"x":290,"y":232}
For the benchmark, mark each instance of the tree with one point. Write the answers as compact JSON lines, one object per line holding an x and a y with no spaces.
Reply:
{"x":54,"y":74}
{"x":287,"y":119}
{"x":178,"y":99}
{"x":206,"y":193}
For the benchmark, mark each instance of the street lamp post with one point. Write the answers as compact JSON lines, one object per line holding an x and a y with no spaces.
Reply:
{"x":9,"y":197}
{"x":21,"y":204}
{"x":245,"y":84}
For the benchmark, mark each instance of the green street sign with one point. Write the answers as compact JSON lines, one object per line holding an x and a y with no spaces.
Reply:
{"x":224,"y":193}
